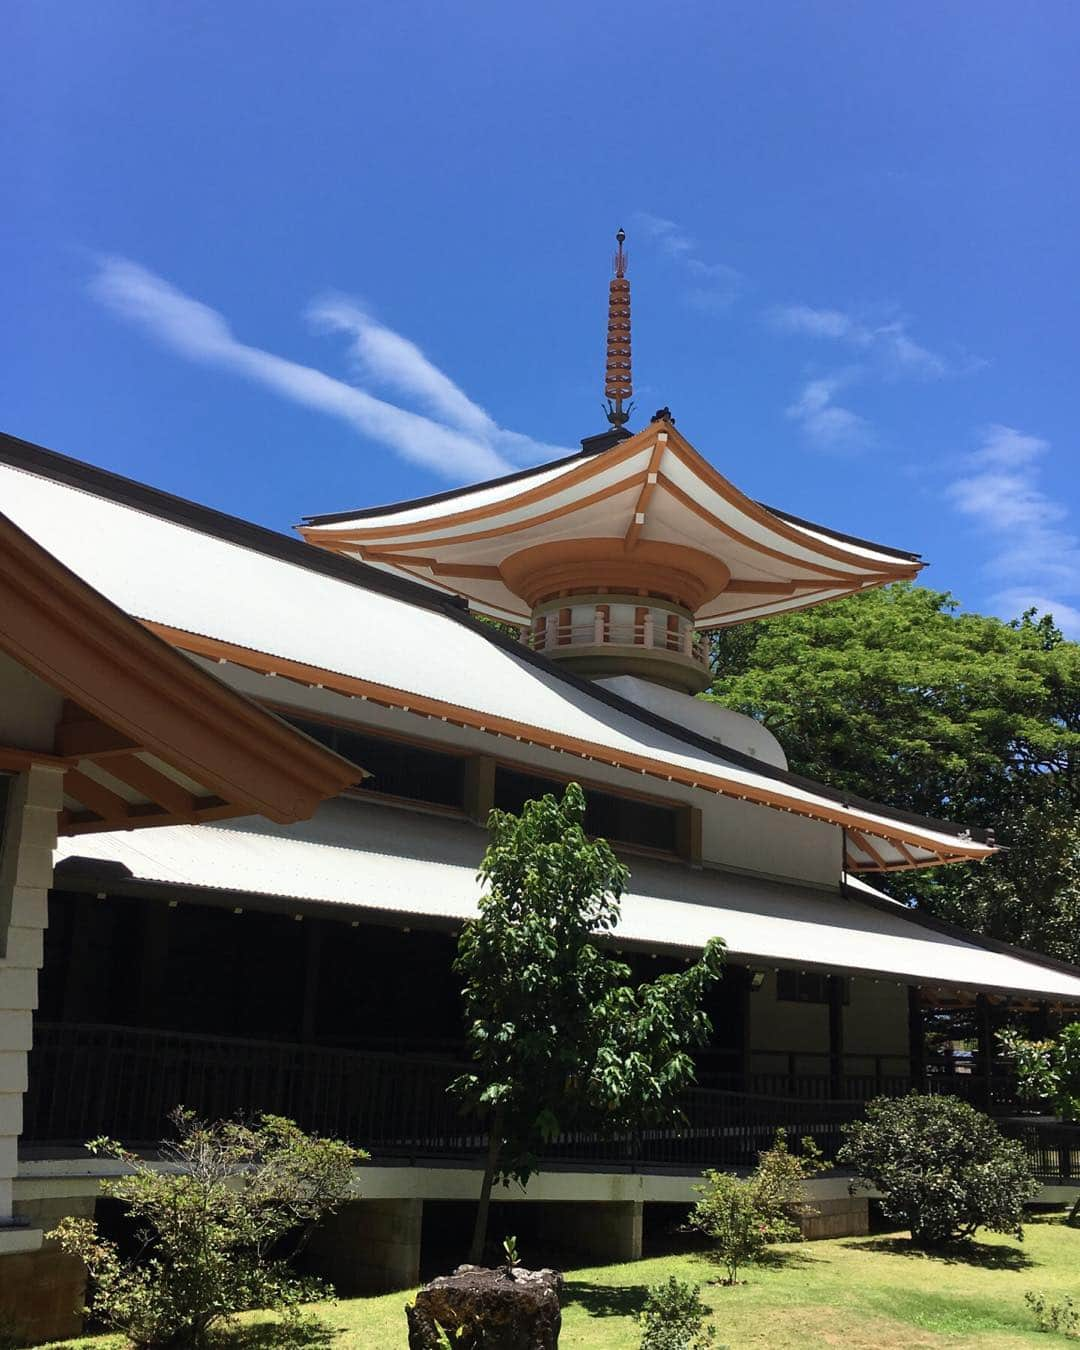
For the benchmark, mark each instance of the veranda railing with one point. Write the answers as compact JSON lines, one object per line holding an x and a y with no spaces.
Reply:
{"x":87,"y":1080}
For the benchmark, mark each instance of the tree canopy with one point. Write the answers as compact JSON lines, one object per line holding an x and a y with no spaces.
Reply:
{"x":560,"y":1038}
{"x":899,"y":697}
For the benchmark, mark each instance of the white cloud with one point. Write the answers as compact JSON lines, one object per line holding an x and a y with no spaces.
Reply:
{"x":1035,"y":558}
{"x":890,"y":344}
{"x":711,"y":285}
{"x":466,"y":443}
{"x":825,"y":423}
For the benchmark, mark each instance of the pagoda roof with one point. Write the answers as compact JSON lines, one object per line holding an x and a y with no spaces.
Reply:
{"x":650,"y":502}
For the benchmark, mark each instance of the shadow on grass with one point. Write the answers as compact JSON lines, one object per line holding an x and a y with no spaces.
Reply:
{"x":985,"y":1254}
{"x":306,"y":1335}
{"x":784,"y":1258}
{"x":606,"y":1300}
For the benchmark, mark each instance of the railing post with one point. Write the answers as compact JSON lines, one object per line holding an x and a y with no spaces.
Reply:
{"x":647,"y":626}
{"x":598,"y":626}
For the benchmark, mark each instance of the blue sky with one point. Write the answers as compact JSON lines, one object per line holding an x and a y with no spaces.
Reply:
{"x":290,"y":258}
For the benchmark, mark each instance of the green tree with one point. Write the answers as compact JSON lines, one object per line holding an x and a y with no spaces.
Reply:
{"x":942,"y":1168}
{"x":896,"y":696}
{"x":212,"y":1221}
{"x":560,"y":1039}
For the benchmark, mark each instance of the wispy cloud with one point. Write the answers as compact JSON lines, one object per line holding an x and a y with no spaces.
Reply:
{"x":458,"y":440}
{"x":1035,"y":558}
{"x":883,"y":350}
{"x":890,"y":344}
{"x":709,"y":285}
{"x":826,"y":423}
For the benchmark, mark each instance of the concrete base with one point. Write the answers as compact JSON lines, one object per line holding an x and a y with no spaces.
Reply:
{"x":42,"y":1295}
{"x":368,"y":1247}
{"x":604,"y":1232}
{"x":838,"y":1218}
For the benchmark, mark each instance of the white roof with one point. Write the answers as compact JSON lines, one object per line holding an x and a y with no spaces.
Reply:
{"x":360,"y":856}
{"x":175,"y":575}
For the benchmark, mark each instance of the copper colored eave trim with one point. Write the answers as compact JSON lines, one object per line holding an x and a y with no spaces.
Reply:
{"x":83,"y":645}
{"x":424,"y":706}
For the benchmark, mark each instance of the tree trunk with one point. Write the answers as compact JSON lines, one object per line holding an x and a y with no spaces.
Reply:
{"x":479,"y":1237}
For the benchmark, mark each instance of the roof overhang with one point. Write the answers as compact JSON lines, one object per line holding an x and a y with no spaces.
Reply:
{"x":146,"y":735}
{"x":425,"y":870}
{"x":650,"y":504}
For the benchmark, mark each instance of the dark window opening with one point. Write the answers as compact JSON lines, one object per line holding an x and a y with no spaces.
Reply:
{"x":793,"y":986}
{"x":623,"y":820}
{"x":396,"y":768}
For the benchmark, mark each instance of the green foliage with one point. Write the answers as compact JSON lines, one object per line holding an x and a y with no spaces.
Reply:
{"x":215,"y":1210}
{"x":1048,"y":1070}
{"x":728,"y":1214}
{"x":673,"y":1317}
{"x":1062,"y":1317}
{"x":743,"y":1217}
{"x":895,"y":696}
{"x":510,"y":1251}
{"x":943,"y":1168}
{"x":559,"y":1038}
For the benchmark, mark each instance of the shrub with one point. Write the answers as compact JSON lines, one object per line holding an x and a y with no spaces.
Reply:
{"x":673,"y":1318}
{"x":1063,"y":1317}
{"x":943,"y":1168}
{"x":744,"y":1217}
{"x":1048,"y":1070}
{"x":215,"y":1211}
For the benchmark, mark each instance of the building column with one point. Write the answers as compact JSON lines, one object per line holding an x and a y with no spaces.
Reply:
{"x":984,"y":1028}
{"x":836,"y":1037}
{"x":604,"y":1231}
{"x":916,"y":1039}
{"x":34,"y":801}
{"x":368,"y":1247}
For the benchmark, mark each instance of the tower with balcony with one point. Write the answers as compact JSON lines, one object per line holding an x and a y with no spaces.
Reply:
{"x":616,"y":560}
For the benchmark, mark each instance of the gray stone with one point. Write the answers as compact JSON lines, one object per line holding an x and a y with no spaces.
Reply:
{"x":509,"y":1308}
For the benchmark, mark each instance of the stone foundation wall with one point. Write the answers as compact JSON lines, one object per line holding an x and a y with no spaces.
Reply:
{"x":849,"y":1217}
{"x":42,"y":1295}
{"x":368,"y":1247}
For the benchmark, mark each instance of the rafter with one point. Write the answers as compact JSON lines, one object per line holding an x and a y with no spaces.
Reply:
{"x":144,"y":778}
{"x":652,"y":477}
{"x":103,"y":801}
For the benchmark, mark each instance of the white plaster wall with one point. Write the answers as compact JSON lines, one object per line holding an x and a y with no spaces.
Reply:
{"x":29,"y":709}
{"x":780,"y":1025}
{"x":34,"y":802}
{"x":876,"y":1023}
{"x":735,"y":834}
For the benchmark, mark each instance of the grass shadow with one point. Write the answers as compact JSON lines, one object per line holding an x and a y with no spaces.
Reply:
{"x":308,"y":1334}
{"x":987,"y":1255}
{"x":784,"y":1258}
{"x":606,"y":1300}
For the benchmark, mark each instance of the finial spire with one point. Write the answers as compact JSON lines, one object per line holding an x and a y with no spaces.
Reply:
{"x":618,"y":384}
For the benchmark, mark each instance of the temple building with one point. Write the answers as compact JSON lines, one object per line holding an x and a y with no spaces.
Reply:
{"x":245,"y":777}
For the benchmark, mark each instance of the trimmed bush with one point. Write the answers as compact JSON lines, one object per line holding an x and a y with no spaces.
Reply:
{"x":944,"y":1169}
{"x":673,"y":1318}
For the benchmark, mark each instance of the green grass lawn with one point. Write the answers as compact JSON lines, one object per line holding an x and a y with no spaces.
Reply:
{"x":862,"y":1293}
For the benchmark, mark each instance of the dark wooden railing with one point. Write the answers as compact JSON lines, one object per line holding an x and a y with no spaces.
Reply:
{"x":122,"y":1081}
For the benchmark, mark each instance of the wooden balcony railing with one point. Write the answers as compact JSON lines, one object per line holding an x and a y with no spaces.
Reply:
{"x":88,"y":1080}
{"x":557,"y":638}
